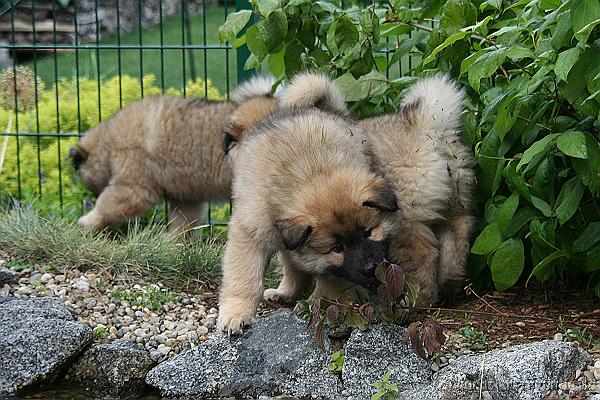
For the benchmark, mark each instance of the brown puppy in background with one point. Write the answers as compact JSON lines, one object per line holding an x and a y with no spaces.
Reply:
{"x":420,"y":150}
{"x":302,"y":187}
{"x":161,"y":147}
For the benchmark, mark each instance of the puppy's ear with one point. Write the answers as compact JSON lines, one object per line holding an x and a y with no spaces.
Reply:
{"x":230,"y":139}
{"x":294,"y":231}
{"x":77,"y":156}
{"x":381,"y":194}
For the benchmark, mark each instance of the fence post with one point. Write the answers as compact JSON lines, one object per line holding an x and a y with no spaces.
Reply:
{"x":242,"y":53}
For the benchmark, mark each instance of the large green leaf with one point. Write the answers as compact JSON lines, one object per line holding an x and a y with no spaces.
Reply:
{"x":583,"y":13}
{"x":565,"y":61}
{"x":508,"y":112}
{"x":506,"y":211}
{"x":488,"y":240}
{"x":448,"y":42}
{"x":507,"y":264}
{"x":457,"y":14}
{"x":572,"y":144}
{"x":485,"y":66}
{"x":543,"y":269}
{"x":342,"y":35}
{"x":536,"y":148}
{"x":568,"y":199}
{"x":267,"y":35}
{"x":265,"y":7}
{"x":234,"y":24}
{"x":589,"y":237}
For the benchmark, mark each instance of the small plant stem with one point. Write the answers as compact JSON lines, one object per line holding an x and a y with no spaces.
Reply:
{"x":492,"y":314}
{"x":470,"y":290}
{"x":5,"y":141}
{"x":538,"y":124}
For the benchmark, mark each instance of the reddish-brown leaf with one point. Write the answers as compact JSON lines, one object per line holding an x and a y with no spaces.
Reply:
{"x":332,"y":315}
{"x":412,"y":334}
{"x":395,"y":279}
{"x":432,"y":336}
{"x":315,"y":313}
{"x":380,"y":271}
{"x":319,"y":336}
{"x":385,"y":300}
{"x":366,"y":310}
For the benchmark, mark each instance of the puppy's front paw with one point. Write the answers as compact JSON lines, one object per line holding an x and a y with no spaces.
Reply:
{"x":90,"y":221}
{"x":233,"y":323}
{"x":277,"y":295}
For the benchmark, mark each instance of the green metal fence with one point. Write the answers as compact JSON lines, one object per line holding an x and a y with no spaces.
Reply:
{"x":93,"y":58}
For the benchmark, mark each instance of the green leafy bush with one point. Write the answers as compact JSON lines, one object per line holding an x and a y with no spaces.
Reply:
{"x":533,"y":82}
{"x":72,"y":116}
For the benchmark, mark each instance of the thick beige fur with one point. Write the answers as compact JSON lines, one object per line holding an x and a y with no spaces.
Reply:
{"x":161,"y":147}
{"x":301,"y":177}
{"x":420,"y":150}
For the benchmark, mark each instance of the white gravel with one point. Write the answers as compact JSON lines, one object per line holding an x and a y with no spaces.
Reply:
{"x":163,"y":321}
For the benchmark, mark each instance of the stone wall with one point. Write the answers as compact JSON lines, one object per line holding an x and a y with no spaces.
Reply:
{"x":46,"y":15}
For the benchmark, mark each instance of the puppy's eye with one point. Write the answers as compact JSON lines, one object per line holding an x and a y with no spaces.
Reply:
{"x":368,"y":233}
{"x":338,"y":248}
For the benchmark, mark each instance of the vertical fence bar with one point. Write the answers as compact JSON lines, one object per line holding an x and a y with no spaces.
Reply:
{"x":98,"y":62}
{"x":75,"y":23}
{"x":119,"y":62}
{"x":140,"y":39}
{"x":37,"y":109}
{"x":225,"y":6}
{"x":242,"y":52}
{"x":188,"y":28}
{"x":60,"y":183}
{"x":205,"y":54}
{"x":15,"y":83}
{"x":183,"y":4}
{"x":162,"y":44}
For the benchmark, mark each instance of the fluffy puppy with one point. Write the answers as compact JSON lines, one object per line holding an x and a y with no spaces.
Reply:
{"x":161,"y":147}
{"x":303,"y":188}
{"x":419,"y":149}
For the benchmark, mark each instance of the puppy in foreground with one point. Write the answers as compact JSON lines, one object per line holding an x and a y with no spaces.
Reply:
{"x":303,"y":187}
{"x":162,"y":147}
{"x":419,"y":149}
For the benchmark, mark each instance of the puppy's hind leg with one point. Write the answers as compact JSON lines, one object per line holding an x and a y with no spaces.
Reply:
{"x":415,"y":248}
{"x":184,"y":216}
{"x":292,"y":284}
{"x":454,"y":248}
{"x":244,"y":264}
{"x":118,"y":203}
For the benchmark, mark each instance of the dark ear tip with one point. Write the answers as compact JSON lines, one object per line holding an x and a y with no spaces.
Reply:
{"x":229,"y":141}
{"x":77,"y":156}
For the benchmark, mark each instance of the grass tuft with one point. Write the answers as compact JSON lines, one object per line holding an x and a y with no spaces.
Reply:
{"x":149,"y":251}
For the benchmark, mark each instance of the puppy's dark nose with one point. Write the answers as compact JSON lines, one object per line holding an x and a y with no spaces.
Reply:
{"x":370,"y":267}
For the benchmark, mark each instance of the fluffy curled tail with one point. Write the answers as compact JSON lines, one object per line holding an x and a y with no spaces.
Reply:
{"x":311,"y":89}
{"x":434,"y":103}
{"x":257,"y":86}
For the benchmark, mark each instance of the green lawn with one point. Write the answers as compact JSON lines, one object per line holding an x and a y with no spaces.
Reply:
{"x":172,"y":70}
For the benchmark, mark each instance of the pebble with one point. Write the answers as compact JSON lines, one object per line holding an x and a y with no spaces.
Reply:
{"x":520,"y":324}
{"x":558,"y":337}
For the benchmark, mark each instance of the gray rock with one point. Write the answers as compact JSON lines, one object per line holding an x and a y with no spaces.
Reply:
{"x":523,"y":372}
{"x":372,"y":353}
{"x":277,"y":356}
{"x":8,"y":276}
{"x":4,"y":299}
{"x":37,"y":339}
{"x":117,"y":369}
